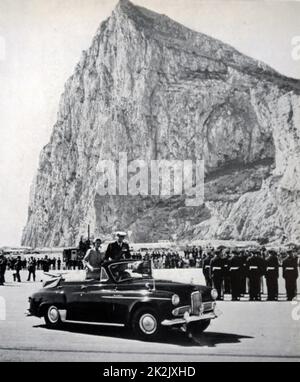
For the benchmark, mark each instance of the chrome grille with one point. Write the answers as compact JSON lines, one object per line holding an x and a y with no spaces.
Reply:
{"x":208,"y":306}
{"x":196,"y":302}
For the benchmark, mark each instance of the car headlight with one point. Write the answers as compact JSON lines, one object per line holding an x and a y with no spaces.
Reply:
{"x":175,"y":299}
{"x":214,"y":294}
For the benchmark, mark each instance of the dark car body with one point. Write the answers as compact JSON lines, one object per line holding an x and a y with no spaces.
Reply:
{"x":109,"y":301}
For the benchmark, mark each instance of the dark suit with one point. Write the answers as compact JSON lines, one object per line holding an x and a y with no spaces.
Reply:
{"x":3,"y":263}
{"x":116,"y":251}
{"x":217,"y":274}
{"x":46,"y":265}
{"x":235,"y":272}
{"x":290,"y":274}
{"x":227,"y":279}
{"x":206,"y":270}
{"x":243,"y":260}
{"x":18,"y":267}
{"x":255,"y":270}
{"x":272,"y":274}
{"x":31,"y":269}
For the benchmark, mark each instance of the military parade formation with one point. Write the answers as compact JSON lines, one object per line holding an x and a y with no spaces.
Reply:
{"x":232,"y":271}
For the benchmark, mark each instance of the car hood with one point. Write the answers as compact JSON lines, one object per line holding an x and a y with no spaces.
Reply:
{"x":184,"y":290}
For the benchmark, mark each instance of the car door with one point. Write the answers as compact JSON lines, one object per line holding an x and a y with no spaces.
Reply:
{"x":123,"y":298}
{"x":93,"y":302}
{"x":74,"y":293}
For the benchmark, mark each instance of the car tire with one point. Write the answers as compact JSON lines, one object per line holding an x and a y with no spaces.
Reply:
{"x":52,"y":317}
{"x":146,"y":324}
{"x":195,"y":329}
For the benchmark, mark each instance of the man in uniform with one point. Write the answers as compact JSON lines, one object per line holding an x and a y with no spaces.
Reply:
{"x":46,"y":264}
{"x":235,"y":272}
{"x":118,"y":250}
{"x":217,"y":272}
{"x":227,"y":278}
{"x":243,"y":256}
{"x":3,"y":263}
{"x":18,"y":267}
{"x":31,"y":268}
{"x":93,"y":260}
{"x":206,"y":269}
{"x":290,"y":274}
{"x":255,"y":271}
{"x":263,"y":269}
{"x":272,"y":274}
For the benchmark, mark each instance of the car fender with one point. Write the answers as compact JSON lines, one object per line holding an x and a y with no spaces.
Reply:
{"x":140,"y":304}
{"x":59,"y":300}
{"x":162,"y":306}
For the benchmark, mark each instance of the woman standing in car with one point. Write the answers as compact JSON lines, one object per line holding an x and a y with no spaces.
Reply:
{"x":93,"y":260}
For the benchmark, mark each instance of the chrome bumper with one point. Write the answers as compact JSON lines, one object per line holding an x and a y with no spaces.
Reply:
{"x":187,"y":318}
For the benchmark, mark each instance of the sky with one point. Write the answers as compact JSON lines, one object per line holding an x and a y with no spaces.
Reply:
{"x":41,"y":41}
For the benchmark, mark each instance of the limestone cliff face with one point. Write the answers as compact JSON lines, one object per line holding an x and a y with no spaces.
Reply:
{"x":157,"y":90}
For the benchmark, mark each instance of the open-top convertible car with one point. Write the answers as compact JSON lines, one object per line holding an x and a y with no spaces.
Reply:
{"x":126,"y":294}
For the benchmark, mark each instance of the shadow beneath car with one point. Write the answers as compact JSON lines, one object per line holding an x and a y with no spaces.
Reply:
{"x":212,"y":339}
{"x":171,"y":337}
{"x":207,"y":338}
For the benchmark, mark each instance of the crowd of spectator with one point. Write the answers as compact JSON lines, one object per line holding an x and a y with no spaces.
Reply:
{"x":193,"y":257}
{"x":41,"y":263}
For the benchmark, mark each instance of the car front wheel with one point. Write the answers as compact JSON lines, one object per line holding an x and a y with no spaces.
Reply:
{"x":52,"y":317}
{"x":146,"y":324}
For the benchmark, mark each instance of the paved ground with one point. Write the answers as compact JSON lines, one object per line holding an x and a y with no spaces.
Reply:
{"x":247,"y":331}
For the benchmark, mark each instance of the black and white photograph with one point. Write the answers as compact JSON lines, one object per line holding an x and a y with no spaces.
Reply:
{"x":149,"y":183}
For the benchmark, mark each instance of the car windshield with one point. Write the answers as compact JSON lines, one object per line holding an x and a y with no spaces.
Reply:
{"x":130,"y":270}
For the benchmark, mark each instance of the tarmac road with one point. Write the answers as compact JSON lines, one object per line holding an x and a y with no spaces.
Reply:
{"x":246,"y":331}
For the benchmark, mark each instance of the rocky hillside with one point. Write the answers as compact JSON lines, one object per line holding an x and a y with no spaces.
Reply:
{"x":155,"y":89}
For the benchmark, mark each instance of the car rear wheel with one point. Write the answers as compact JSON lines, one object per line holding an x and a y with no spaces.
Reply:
{"x":195,"y":329}
{"x":52,"y":317}
{"x":146,"y":324}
